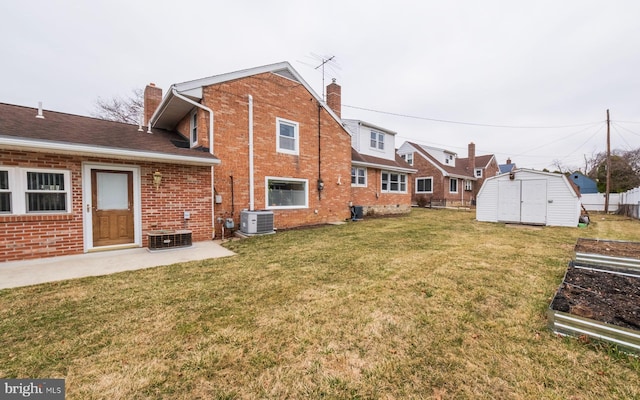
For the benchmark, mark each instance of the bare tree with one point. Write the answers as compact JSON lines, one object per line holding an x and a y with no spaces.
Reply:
{"x":121,"y":109}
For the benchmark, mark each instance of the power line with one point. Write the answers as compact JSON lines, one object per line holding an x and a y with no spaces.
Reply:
{"x":472,"y":123}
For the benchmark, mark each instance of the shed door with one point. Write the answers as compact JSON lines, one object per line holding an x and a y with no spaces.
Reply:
{"x":509,"y":201}
{"x":534,"y":202}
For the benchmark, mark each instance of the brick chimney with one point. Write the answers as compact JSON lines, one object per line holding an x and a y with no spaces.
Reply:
{"x":334,"y":97}
{"x":472,"y":155}
{"x":152,"y":99}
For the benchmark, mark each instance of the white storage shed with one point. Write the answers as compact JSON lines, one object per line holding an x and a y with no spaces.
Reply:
{"x":529,"y":197}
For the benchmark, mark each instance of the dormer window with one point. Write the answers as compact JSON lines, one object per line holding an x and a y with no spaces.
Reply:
{"x":408,"y":158}
{"x":377,"y":140}
{"x":194,"y":128}
{"x":478,"y":172}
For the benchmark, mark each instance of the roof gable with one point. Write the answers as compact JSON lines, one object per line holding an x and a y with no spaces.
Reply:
{"x":172,"y":108}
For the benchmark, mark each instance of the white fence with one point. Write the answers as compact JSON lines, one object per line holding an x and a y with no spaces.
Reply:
{"x":595,"y":201}
{"x":630,"y":203}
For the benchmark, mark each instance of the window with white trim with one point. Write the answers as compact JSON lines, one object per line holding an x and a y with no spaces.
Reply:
{"x":287,"y":136}
{"x":478,"y":172}
{"x":424,"y":185}
{"x":377,"y":140}
{"x":468,"y":185}
{"x":193,"y":128}
{"x":283,"y":193}
{"x":408,"y":158}
{"x":453,"y":185}
{"x":34,"y":191}
{"x":393,"y":182}
{"x":358,"y":176}
{"x":5,"y":192}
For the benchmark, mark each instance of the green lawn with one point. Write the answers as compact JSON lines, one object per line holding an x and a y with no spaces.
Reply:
{"x":429,"y":305}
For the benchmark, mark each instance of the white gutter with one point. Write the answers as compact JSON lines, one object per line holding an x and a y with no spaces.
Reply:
{"x":251,"y":188}
{"x":210,"y":111}
{"x":384,"y":167}
{"x":68,"y":148}
{"x":207,"y":109}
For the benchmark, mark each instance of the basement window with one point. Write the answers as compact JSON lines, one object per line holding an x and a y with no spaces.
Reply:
{"x":283,"y":193}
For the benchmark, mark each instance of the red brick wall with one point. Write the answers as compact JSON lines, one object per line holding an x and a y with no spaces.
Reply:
{"x":440,"y":184}
{"x":374,"y":201}
{"x":183,"y":188}
{"x":276,"y":97}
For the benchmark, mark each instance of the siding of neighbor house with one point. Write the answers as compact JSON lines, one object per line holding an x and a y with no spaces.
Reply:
{"x":33,"y":236}
{"x":562,"y":202}
{"x":275,"y":96}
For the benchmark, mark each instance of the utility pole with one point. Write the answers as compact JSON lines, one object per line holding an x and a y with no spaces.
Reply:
{"x":608,"y":184}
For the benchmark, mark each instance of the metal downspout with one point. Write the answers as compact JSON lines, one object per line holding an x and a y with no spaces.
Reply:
{"x":251,"y":185}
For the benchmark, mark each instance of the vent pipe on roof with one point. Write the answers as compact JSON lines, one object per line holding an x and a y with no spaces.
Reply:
{"x":40,"y":115}
{"x":140,"y":124}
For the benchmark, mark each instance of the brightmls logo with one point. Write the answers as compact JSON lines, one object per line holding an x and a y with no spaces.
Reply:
{"x":41,"y":389}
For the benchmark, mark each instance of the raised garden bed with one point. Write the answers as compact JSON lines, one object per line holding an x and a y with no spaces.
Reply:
{"x":600,"y":302}
{"x":613,"y":253}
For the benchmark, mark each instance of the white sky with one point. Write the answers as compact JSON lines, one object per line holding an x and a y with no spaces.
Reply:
{"x":512,"y":62}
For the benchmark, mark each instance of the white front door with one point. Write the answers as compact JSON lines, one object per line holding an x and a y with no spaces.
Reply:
{"x":111,"y":206}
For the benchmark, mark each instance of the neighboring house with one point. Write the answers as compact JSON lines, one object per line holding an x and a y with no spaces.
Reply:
{"x":281,"y":148}
{"x":380,"y":178}
{"x":529,"y":197}
{"x":71,"y":184}
{"x":444,"y":178}
{"x":585,"y":184}
{"x":506,"y":168}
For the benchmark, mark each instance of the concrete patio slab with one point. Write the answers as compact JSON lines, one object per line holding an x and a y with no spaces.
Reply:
{"x":33,"y":272}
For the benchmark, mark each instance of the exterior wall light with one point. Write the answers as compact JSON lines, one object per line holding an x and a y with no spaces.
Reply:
{"x":157,"y":179}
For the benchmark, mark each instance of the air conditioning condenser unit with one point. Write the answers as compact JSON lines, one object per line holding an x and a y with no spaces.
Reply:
{"x":256,"y":222}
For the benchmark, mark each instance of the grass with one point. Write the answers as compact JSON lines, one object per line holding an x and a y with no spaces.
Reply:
{"x":429,"y":305}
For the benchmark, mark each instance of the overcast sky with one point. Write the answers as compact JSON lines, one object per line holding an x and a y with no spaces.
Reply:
{"x":408,"y":66}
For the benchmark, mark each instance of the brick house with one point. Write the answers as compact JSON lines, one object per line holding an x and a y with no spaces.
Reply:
{"x":380,"y":178}
{"x":445,"y":179}
{"x":281,"y":147}
{"x":71,"y":184}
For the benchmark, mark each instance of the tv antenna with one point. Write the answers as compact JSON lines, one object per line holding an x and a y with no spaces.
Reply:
{"x":324,"y":61}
